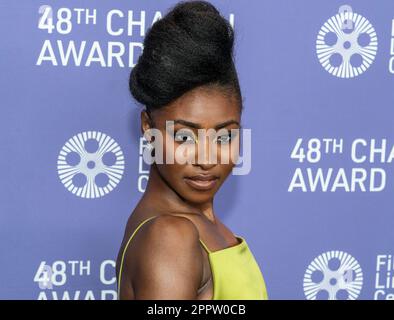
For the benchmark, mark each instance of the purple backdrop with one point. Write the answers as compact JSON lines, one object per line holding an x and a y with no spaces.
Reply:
{"x":59,"y":240}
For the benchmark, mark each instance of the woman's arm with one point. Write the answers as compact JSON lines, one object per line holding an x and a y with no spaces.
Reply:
{"x":168,"y":262}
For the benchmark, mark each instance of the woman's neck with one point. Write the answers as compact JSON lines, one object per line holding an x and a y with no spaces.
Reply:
{"x":162,"y":198}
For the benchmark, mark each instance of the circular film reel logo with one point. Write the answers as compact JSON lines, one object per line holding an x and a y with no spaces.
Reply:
{"x":346,"y":45}
{"x":90,"y":164}
{"x":334,"y":275}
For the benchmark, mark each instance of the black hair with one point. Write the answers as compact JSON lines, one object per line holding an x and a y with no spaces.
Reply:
{"x":191,"y":46}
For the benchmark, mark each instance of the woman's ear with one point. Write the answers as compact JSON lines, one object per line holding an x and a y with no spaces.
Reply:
{"x":146,"y":122}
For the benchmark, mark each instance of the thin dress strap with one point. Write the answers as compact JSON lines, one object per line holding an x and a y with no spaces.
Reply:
{"x":203,"y":244}
{"x":125,"y":248}
{"x":131,"y":237}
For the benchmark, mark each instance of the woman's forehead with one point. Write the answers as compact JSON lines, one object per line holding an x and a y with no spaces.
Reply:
{"x":205,"y":107}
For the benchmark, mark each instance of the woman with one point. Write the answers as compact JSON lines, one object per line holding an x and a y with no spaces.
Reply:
{"x":174,"y":246}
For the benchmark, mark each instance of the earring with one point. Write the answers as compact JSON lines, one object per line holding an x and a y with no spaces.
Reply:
{"x":149,"y":153}
{"x":150,"y":146}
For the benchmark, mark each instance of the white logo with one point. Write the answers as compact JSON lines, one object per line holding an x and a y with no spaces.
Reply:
{"x":90,"y":164}
{"x":334,"y":275}
{"x":346,"y":44}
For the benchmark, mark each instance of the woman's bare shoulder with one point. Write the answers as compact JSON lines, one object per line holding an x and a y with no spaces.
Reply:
{"x":166,"y":261}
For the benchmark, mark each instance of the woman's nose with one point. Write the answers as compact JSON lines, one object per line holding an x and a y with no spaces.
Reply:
{"x":206,"y":154}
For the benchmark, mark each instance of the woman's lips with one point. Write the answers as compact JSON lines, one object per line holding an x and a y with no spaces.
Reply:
{"x":202,"y":183}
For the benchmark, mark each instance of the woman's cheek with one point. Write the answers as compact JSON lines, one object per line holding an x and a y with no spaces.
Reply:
{"x":185,"y":153}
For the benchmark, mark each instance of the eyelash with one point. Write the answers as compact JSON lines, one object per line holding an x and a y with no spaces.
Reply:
{"x":230,"y":137}
{"x":183,"y":134}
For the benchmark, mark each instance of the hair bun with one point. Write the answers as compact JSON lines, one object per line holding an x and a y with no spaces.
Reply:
{"x":191,"y":45}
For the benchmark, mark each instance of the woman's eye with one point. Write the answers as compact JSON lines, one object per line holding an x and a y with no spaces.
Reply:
{"x":224,"y":139}
{"x":184,"y":137}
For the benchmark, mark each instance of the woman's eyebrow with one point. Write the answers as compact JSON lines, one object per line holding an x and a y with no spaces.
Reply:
{"x":198,"y":126}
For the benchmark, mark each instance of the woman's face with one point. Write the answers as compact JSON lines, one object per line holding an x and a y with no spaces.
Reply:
{"x":201,"y":108}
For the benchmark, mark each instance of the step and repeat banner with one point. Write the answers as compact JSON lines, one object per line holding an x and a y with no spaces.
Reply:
{"x":316,"y":203}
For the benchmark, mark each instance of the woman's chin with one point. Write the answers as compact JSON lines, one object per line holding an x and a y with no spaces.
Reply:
{"x":198,"y":197}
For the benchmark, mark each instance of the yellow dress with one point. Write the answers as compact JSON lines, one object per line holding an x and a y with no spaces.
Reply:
{"x":235,"y":272}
